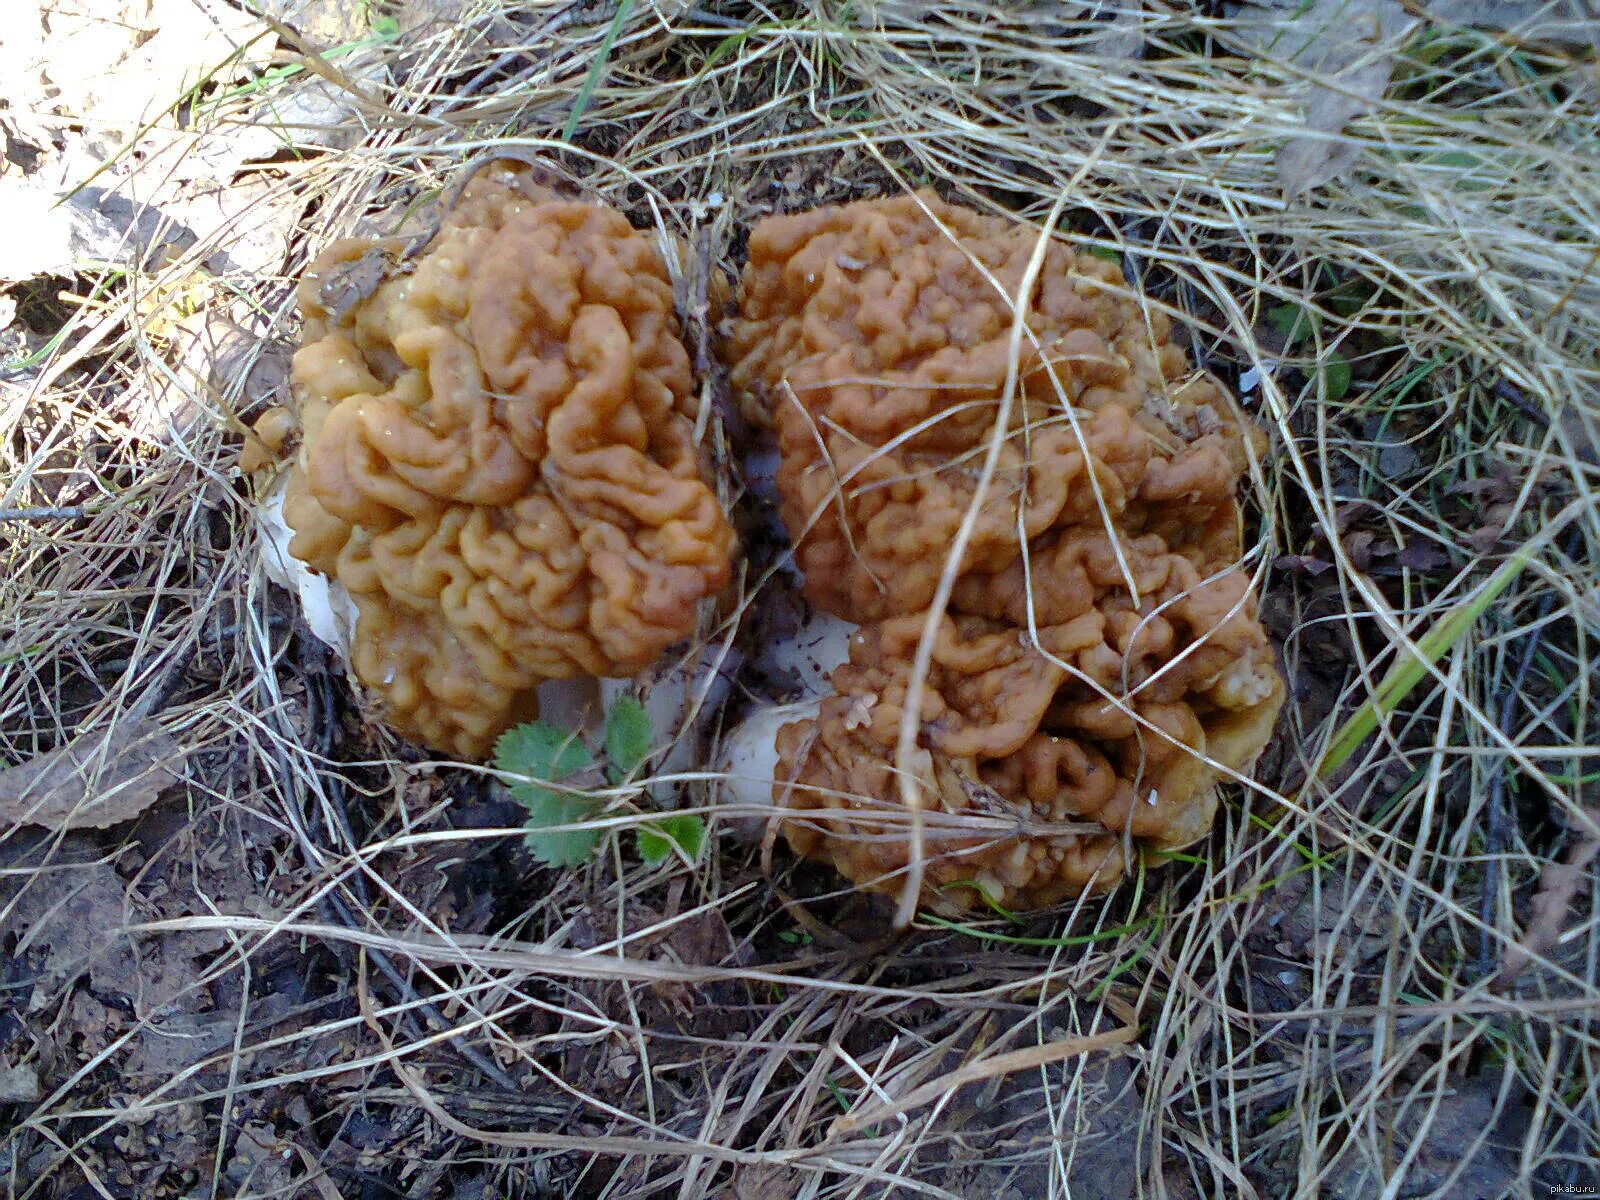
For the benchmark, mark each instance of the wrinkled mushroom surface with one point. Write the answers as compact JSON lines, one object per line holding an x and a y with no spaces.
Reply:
{"x":1099,"y":664}
{"x":498,"y":459}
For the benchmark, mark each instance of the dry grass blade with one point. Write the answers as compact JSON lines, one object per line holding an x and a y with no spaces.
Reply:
{"x":994,"y":1067}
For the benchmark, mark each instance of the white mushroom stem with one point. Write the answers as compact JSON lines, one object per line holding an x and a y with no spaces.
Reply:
{"x":748,"y":757}
{"x":810,"y":654}
{"x":328,"y":609}
{"x":748,"y":764}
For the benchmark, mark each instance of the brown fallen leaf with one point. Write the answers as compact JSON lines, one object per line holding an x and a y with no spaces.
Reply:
{"x":762,"y":1181}
{"x":349,"y":283}
{"x":1562,"y":21}
{"x":1558,"y":885}
{"x":1302,"y":564}
{"x":1358,"y":545}
{"x":69,"y":920}
{"x":1346,"y":48}
{"x":101,"y":778}
{"x":19,"y":1084}
{"x":1423,"y":556}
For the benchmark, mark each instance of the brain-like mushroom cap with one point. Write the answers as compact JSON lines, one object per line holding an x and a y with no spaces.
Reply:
{"x":498,"y":459}
{"x":1041,"y":765}
{"x":1100,"y":664}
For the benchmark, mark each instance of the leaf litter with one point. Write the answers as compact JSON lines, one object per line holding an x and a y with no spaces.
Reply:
{"x":1346,"y":48}
{"x":101,"y":778}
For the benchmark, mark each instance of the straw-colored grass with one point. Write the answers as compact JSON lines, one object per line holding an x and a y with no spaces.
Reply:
{"x":1375,"y":978}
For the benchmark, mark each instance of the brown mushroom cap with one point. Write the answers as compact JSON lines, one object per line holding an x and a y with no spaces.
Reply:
{"x":1068,"y":716}
{"x":876,"y":336}
{"x":498,"y":459}
{"x":1036,"y":786}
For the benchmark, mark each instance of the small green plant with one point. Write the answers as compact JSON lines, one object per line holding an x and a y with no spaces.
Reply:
{"x":541,"y":755}
{"x":1296,"y":323}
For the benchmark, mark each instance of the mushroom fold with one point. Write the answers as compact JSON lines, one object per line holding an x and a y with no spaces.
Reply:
{"x":498,"y":459}
{"x":1099,"y":666}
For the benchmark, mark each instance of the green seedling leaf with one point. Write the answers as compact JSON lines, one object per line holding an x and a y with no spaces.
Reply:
{"x":1335,"y":376}
{"x":986,"y":894}
{"x":1128,"y":963}
{"x":1163,"y":856}
{"x":1476,"y":174}
{"x":541,"y":751}
{"x":1294,"y":321}
{"x":1348,"y":298}
{"x":685,"y":833}
{"x":627,"y":738}
{"x":1408,"y":671}
{"x":541,"y":754}
{"x":38,"y":356}
{"x":839,"y":1097}
{"x":550,"y":813}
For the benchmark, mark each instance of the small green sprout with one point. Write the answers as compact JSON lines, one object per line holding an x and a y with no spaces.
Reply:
{"x":541,"y":755}
{"x":544,"y":754}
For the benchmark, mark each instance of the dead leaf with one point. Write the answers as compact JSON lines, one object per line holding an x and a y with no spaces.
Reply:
{"x":1558,"y":884}
{"x":1348,"y":47}
{"x":762,"y":1181}
{"x":347,"y":284}
{"x":1398,"y":460}
{"x":1443,"y":1144}
{"x":261,"y":1161}
{"x":248,"y":371}
{"x":71,"y":917}
{"x":316,"y":1176}
{"x":62,"y":231}
{"x":1485,"y":539}
{"x":1498,"y":485}
{"x":1358,"y":545}
{"x":1302,"y":564}
{"x":165,"y":1047}
{"x":101,"y":778}
{"x":1582,"y":432}
{"x":1525,"y":20}
{"x":1320,"y":155}
{"x":19,"y":1085}
{"x":1421,"y":555}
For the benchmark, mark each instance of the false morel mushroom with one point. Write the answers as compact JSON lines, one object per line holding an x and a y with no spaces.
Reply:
{"x":497,"y":458}
{"x":1098,"y":667}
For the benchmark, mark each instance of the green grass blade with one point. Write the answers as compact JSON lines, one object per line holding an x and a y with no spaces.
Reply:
{"x":596,"y":69}
{"x":1408,"y":671}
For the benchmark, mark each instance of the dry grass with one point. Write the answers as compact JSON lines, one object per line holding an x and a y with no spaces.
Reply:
{"x":1340,"y":993}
